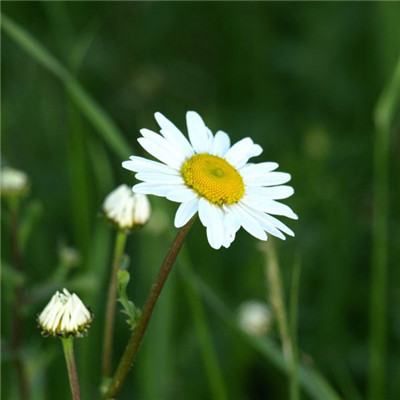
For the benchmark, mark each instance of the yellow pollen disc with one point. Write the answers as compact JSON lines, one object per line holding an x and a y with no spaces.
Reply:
{"x":213,"y":178}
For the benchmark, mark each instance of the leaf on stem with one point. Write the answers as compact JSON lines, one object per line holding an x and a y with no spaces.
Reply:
{"x":128,"y":307}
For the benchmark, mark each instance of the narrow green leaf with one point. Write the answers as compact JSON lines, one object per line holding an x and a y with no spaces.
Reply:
{"x":103,"y":124}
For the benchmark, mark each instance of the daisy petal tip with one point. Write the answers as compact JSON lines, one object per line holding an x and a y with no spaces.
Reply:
{"x":177,"y":224}
{"x":125,"y":164}
{"x":194,"y":115}
{"x":159,"y":117}
{"x":215,"y":246}
{"x":258,"y":149}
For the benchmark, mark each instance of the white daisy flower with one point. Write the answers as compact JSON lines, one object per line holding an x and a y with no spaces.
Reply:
{"x":13,"y":182}
{"x":65,"y":315}
{"x":209,"y":176}
{"x":126,"y":209}
{"x":255,"y":318}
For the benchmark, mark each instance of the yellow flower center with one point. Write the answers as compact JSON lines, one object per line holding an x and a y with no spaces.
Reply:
{"x":213,"y":178}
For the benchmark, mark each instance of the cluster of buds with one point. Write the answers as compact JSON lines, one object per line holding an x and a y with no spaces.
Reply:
{"x":64,"y":316}
{"x":125,"y":209}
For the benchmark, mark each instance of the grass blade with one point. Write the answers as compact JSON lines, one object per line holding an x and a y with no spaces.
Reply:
{"x":104,"y":125}
{"x":384,"y":112}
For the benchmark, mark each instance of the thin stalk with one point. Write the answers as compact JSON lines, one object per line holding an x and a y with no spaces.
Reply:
{"x":213,"y":369}
{"x":294,"y":301}
{"x":68,"y":347}
{"x":120,"y":241}
{"x":137,"y":335}
{"x":385,"y":111}
{"x":18,"y":323}
{"x":277,"y":301}
{"x":288,"y":336}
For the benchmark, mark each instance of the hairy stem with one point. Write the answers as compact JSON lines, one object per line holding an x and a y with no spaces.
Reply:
{"x":111,"y":303}
{"x":68,"y":347}
{"x":137,"y":335}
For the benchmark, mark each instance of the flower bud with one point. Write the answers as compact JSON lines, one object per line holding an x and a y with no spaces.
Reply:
{"x":126,"y":209}
{"x":65,"y":315}
{"x":13,"y":182}
{"x":255,"y":318}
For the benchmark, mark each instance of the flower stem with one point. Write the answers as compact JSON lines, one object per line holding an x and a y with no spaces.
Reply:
{"x":68,"y":346}
{"x":111,"y":303}
{"x":18,"y":325}
{"x":277,"y":301}
{"x":287,"y":335}
{"x":137,"y":335}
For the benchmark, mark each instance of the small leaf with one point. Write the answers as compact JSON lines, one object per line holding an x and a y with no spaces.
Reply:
{"x":128,"y":307}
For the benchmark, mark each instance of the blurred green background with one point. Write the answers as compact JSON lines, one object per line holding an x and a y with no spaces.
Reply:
{"x":302,"y":79}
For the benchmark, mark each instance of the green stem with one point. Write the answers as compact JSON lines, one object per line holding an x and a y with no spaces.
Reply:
{"x":385,"y":110}
{"x":68,"y":347}
{"x":112,"y":302}
{"x":294,"y":301}
{"x":278,"y":304}
{"x":137,"y":335}
{"x":18,"y":323}
{"x":277,"y":301}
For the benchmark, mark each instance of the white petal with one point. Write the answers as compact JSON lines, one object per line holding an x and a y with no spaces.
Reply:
{"x":204,"y":211}
{"x":182,"y":195}
{"x":265,"y":223}
{"x":281,"y":226}
{"x":185,"y":212}
{"x":161,"y":153}
{"x":221,"y":144}
{"x":228,"y":239}
{"x":215,"y":230}
{"x":160,"y":141}
{"x":210,"y":141}
{"x":249,"y":223}
{"x":197,"y":130}
{"x":270,"y":193}
{"x":240,"y":152}
{"x":154,"y":188}
{"x":140,"y":164}
{"x":173,"y":134}
{"x":156,"y":177}
{"x":269,"y":206}
{"x":259,"y":169}
{"x":269,"y":179}
{"x":231,"y":221}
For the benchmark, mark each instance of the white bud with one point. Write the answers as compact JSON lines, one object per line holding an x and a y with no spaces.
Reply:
{"x":255,"y":318}
{"x":126,"y":209}
{"x":13,"y":182}
{"x":65,"y":315}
